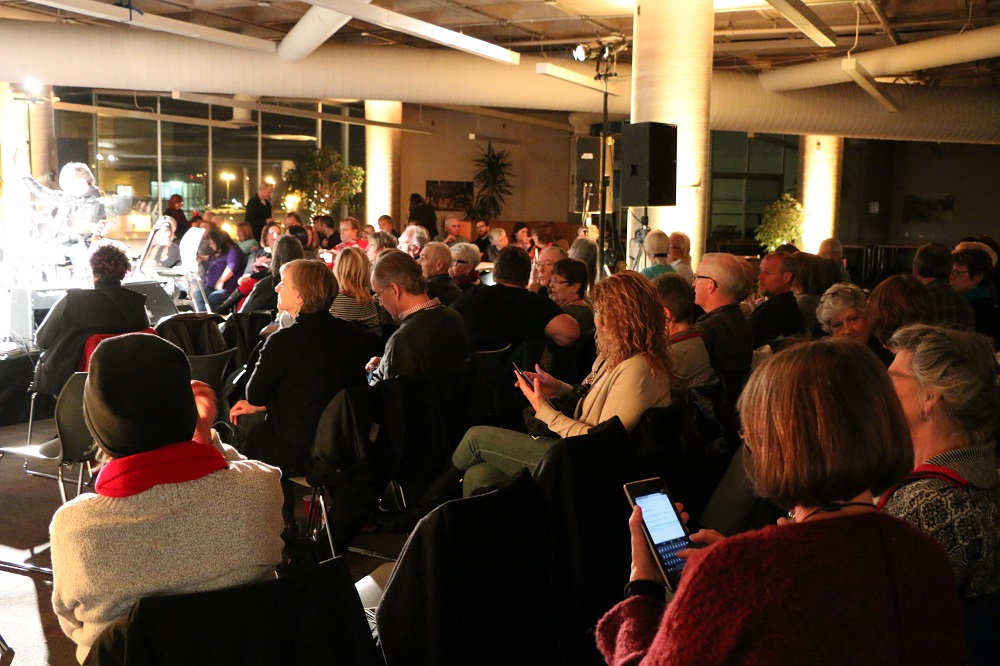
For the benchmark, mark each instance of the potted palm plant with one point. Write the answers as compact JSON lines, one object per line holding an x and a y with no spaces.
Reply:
{"x":492,"y":181}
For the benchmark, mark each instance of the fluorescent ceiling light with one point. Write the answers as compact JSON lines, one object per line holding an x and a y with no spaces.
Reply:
{"x":411,"y":26}
{"x":134,"y":17}
{"x":806,"y":20}
{"x":568,"y":75}
{"x":217,"y":100}
{"x":492,"y":139}
{"x":754,"y":5}
{"x":857,"y":72}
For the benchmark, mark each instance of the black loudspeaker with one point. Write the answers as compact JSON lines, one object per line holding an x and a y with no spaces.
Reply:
{"x":158,"y":302}
{"x":587,"y":174}
{"x":649,"y":164}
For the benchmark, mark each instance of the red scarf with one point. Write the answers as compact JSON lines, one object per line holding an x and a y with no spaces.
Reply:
{"x":174,"y":463}
{"x":925,"y":471}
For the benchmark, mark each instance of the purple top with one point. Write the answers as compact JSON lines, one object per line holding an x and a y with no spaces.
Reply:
{"x":234,"y":259}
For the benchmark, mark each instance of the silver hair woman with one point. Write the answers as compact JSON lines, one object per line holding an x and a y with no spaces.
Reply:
{"x":946,"y":380}
{"x":843,"y":313}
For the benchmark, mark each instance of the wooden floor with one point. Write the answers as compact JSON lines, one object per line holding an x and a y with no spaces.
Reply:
{"x":27,"y":503}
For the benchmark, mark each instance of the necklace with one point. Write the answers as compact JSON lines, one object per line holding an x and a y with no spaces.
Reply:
{"x":829,"y":508}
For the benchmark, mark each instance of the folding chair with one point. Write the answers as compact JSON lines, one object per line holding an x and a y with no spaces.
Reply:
{"x":188,"y":270}
{"x":74,"y":444}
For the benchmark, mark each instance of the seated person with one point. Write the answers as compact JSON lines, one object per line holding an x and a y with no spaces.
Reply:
{"x":350,"y":235}
{"x":452,"y":233}
{"x":631,"y":374}
{"x":175,"y":511}
{"x":245,"y":239}
{"x":259,"y":260}
{"x":413,"y":239}
{"x":167,"y":243}
{"x":541,"y":269}
{"x":263,"y":296}
{"x":300,"y":369}
{"x":435,"y":262}
{"x":790,"y":594}
{"x":354,"y":302}
{"x":689,"y":361}
{"x":508,"y":314}
{"x":946,"y":381}
{"x":225,"y":266}
{"x":657,"y":250}
{"x":843,"y":313}
{"x":568,"y":289}
{"x":498,"y":241}
{"x":380,"y":242}
{"x":464,"y":259}
{"x":107,"y":308}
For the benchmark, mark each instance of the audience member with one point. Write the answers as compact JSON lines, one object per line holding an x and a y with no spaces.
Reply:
{"x":259,"y":261}
{"x":946,"y":380}
{"x":833,"y":249}
{"x":435,"y":262}
{"x":245,"y":239}
{"x":779,"y":316}
{"x":498,"y":241}
{"x":972,"y":277}
{"x":585,"y":250}
{"x":350,"y":230}
{"x":292,"y":219}
{"x":176,"y":211}
{"x":723,"y":327}
{"x":464,"y":259}
{"x":379,"y":243}
{"x":413,"y":239}
{"x":107,"y":308}
{"x":541,"y":269}
{"x":224,"y":268}
{"x":896,"y":302}
{"x":328,"y":234}
{"x":545,"y":235}
{"x":263,"y":296}
{"x":354,"y":301}
{"x":509,"y":314}
{"x":482,"y":239}
{"x":258,"y":208}
{"x":689,"y":361}
{"x":166,"y":242}
{"x":299,"y":233}
{"x":451,"y":233}
{"x":521,"y":237}
{"x":932,"y":267}
{"x":300,"y":369}
{"x":431,"y":340}
{"x":657,"y":249}
{"x":423,"y":214}
{"x":385,"y":224}
{"x":813,"y":276}
{"x":568,"y":288}
{"x":843,"y":313}
{"x":680,"y":255}
{"x":173,"y":510}
{"x":755,"y":598}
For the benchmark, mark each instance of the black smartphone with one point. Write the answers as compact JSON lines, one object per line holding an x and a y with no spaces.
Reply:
{"x":520,"y":373}
{"x":665,"y":531}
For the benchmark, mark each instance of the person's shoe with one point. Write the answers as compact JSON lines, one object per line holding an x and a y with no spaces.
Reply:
{"x":445,"y":487}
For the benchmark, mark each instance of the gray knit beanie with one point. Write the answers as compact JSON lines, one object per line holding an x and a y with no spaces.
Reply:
{"x":138,"y":395}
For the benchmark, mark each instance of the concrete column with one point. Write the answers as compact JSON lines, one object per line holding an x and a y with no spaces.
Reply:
{"x":821,"y":161}
{"x":15,"y":201}
{"x":382,"y":161}
{"x":671,"y":77}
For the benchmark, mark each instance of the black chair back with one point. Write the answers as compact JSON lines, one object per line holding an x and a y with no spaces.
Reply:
{"x":77,"y":442}
{"x":484,"y":403}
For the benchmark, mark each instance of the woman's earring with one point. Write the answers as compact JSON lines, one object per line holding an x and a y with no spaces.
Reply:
{"x":925,"y":416}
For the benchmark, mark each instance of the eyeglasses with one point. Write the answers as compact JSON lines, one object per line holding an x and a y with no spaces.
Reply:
{"x":955,"y":272}
{"x":378,"y":294}
{"x":456,"y":262}
{"x":557,"y":281}
{"x":705,"y":277}
{"x":547,"y":264}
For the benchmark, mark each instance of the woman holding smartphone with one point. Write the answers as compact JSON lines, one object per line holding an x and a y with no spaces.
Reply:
{"x":837,"y":582}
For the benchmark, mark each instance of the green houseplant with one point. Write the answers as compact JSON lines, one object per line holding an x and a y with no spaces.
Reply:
{"x":780,"y":223}
{"x":493,"y":183}
{"x":323,"y":181}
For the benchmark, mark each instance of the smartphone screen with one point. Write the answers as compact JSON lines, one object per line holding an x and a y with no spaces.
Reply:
{"x":665,"y":532}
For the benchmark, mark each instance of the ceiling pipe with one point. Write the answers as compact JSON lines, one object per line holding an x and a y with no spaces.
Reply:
{"x":315,"y":27}
{"x":956,"y":49}
{"x":428,"y":76}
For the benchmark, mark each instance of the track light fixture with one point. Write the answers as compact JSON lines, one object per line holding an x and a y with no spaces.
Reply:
{"x":606,"y":48}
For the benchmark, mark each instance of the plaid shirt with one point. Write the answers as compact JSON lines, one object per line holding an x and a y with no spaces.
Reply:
{"x":949,"y":306}
{"x":728,"y":338}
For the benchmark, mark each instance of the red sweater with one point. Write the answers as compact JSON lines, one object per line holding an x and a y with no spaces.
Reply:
{"x":863,"y":589}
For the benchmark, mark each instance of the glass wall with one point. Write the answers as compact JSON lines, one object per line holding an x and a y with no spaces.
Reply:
{"x":749,"y":172}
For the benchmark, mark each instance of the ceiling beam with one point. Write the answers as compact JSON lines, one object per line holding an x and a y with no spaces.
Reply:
{"x":411,"y":26}
{"x":853,"y":69}
{"x":135,"y":17}
{"x":108,"y":112}
{"x":806,"y":20}
{"x":570,"y":76}
{"x":217,"y":100}
{"x":504,"y":115}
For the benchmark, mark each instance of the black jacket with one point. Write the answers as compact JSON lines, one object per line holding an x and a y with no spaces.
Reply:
{"x":299,"y":371}
{"x":107,"y":308}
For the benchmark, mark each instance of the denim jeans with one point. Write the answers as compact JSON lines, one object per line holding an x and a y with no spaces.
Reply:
{"x":492,"y":455}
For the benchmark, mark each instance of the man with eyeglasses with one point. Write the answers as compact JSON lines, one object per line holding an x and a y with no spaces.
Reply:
{"x":435,"y":262}
{"x":724,"y":328}
{"x":431,"y":339}
{"x":932,"y":266}
{"x":541,"y":271}
{"x":779,"y":316}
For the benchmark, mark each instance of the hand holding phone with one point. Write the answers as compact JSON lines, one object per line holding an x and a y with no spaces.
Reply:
{"x":527,"y":385}
{"x":662,"y":527}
